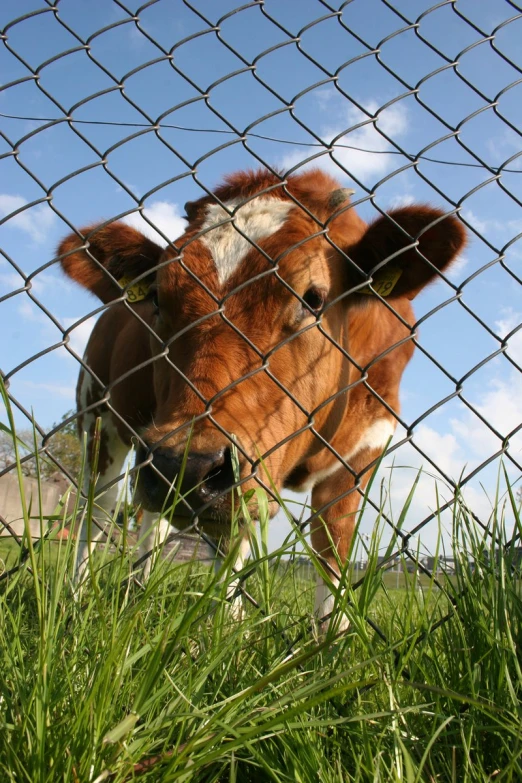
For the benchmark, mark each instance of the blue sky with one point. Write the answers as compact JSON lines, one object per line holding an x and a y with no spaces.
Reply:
{"x":103,"y":174}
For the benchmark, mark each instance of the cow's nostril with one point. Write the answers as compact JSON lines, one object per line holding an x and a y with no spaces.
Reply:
{"x":220,"y":477}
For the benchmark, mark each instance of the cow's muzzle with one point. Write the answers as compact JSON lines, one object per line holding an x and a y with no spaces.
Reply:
{"x":202,"y":479}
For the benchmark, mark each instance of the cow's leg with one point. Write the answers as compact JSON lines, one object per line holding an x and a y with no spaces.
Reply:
{"x":235,"y":601}
{"x":111,"y":457}
{"x":332,"y":533}
{"x":154,"y":531}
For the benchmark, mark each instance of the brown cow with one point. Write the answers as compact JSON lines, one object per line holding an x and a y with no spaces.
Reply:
{"x":257,"y":329}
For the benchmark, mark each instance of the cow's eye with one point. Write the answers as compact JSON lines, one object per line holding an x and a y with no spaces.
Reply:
{"x":315,"y":298}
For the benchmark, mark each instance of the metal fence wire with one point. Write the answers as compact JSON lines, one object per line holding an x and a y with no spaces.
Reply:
{"x":193,"y":82}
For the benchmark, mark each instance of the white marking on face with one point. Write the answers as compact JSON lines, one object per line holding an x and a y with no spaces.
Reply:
{"x":375,"y":437}
{"x":258,"y":218}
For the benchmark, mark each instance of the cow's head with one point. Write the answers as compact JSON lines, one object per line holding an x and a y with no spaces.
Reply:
{"x":250,"y":313}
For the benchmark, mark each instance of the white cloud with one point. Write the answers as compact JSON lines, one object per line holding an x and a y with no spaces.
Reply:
{"x":485,"y":225}
{"x":45,"y":281}
{"x":57,"y":390}
{"x":457,"y":267}
{"x":30,"y":312}
{"x":165,"y":215}
{"x":504,"y":146}
{"x":79,"y":336}
{"x":10,"y":281}
{"x":480,"y":225}
{"x":443,"y":448}
{"x":325,"y":97}
{"x":405,"y":200}
{"x":452,"y":453}
{"x":468,"y":441}
{"x":35,"y":221}
{"x":361,"y":164}
{"x":504,"y":326}
{"x":501,"y":406}
{"x":514,"y":251}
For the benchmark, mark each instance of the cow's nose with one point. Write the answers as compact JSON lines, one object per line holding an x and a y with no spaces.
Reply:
{"x":203,"y":476}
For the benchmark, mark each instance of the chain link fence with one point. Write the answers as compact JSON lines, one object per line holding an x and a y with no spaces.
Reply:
{"x":116,"y":113}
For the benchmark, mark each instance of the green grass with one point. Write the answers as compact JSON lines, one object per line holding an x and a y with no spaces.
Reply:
{"x":98,"y":688}
{"x":159,"y":683}
{"x":9,"y":551}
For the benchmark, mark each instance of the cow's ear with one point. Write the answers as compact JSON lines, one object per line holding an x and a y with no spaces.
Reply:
{"x":404,"y":239}
{"x":115,"y":250}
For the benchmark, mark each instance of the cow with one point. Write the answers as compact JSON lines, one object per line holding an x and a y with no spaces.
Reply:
{"x":264,"y":347}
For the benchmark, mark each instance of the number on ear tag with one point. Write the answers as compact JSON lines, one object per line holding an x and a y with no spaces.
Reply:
{"x":384,"y":281}
{"x":136,"y":292}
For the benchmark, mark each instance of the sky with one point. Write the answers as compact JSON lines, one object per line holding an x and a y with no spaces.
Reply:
{"x":306,"y":77}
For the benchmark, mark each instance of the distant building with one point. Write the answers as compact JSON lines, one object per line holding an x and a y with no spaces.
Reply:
{"x":511,"y":554}
{"x":517,"y":556}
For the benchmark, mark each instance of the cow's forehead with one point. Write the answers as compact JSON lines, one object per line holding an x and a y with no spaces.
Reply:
{"x":230,"y":231}
{"x":252,"y":220}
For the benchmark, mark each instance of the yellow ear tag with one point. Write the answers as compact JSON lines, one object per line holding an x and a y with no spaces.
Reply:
{"x":384,"y":281}
{"x":136,"y":292}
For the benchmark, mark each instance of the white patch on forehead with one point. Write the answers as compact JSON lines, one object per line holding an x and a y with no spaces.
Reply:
{"x":256,"y":219}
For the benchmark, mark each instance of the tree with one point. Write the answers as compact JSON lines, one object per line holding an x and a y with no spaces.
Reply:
{"x":7,"y":450}
{"x":63,"y":445}
{"x":66,"y":447}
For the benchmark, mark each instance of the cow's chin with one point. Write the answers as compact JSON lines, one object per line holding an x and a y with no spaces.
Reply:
{"x":219,"y":529}
{"x":214,"y":520}
{"x":183,"y":513}
{"x":218,"y":520}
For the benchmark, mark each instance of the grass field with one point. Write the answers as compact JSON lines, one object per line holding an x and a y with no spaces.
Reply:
{"x":159,"y":683}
